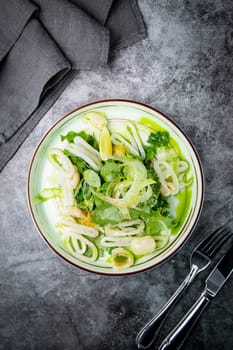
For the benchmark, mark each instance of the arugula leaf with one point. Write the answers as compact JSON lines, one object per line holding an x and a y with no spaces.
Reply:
{"x":155,"y":140}
{"x":88,"y":138}
{"x":138,"y":214}
{"x":105,"y":213}
{"x":70,"y":136}
{"x":111,"y":171}
{"x":84,"y":196}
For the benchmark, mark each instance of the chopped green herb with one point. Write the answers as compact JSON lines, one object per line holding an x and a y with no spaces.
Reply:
{"x":155,"y":140}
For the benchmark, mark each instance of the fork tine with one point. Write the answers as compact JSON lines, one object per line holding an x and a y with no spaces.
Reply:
{"x":219,"y":234}
{"x":210,"y":239}
{"x":219,"y":243}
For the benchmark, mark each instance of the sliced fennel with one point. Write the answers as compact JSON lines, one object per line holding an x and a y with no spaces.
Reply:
{"x":71,"y":212}
{"x":118,"y":139}
{"x":48,"y":193}
{"x":134,"y":137}
{"x":161,"y":241}
{"x":126,"y":228}
{"x":86,"y":152}
{"x":97,"y":119}
{"x":61,"y":162}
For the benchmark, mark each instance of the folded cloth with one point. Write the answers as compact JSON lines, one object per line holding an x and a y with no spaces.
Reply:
{"x":97,"y":9}
{"x":121,"y":17}
{"x":125,"y":24}
{"x":7,"y":149}
{"x":39,"y":66}
{"x":84,"y":41}
{"x":42,"y":43}
{"x":14,"y":14}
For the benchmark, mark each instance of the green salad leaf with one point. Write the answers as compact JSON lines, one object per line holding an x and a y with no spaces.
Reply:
{"x":155,"y":140}
{"x":106,"y":213}
{"x":84,"y":196}
{"x":92,"y":178}
{"x":80,"y":163}
{"x":88,"y":138}
{"x":111,"y":171}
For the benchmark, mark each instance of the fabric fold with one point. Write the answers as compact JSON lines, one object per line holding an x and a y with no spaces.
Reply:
{"x":125,"y":24}
{"x":14,"y":15}
{"x":97,"y":9}
{"x":84,"y":41}
{"x":27,"y":73}
{"x":8,"y":149}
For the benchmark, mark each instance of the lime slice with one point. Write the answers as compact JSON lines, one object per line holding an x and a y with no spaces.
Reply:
{"x":105,"y":144}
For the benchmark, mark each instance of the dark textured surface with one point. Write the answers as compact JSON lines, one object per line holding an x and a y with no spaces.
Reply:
{"x":184,"y":69}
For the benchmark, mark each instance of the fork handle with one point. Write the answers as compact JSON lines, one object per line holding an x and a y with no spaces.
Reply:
{"x":150,"y":331}
{"x":177,"y":337}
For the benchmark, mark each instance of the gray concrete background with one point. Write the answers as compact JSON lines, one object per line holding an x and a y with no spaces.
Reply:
{"x":185,"y":69}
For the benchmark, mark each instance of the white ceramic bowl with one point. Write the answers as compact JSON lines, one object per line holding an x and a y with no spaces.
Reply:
{"x":42,"y":215}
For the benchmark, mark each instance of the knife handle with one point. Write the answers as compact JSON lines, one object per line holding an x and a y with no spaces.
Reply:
{"x":177,"y":337}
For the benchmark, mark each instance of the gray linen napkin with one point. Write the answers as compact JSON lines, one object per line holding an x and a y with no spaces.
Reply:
{"x":14,"y":14}
{"x":17,"y":99}
{"x":121,"y":17}
{"x":42,"y":43}
{"x":125,"y":24}
{"x":97,"y":9}
{"x":84,"y":41}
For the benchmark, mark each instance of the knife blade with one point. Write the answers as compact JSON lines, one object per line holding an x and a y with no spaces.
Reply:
{"x":214,"y":282}
{"x":220,"y":274}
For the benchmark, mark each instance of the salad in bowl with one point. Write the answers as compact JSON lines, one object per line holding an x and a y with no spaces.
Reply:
{"x":114,"y":193}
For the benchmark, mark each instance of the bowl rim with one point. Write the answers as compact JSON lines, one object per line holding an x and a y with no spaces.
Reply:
{"x":121,"y":273}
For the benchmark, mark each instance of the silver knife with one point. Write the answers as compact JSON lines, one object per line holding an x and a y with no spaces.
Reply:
{"x":213,"y":284}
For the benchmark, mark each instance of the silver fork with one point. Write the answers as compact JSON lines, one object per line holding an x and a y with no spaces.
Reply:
{"x":199,"y":260}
